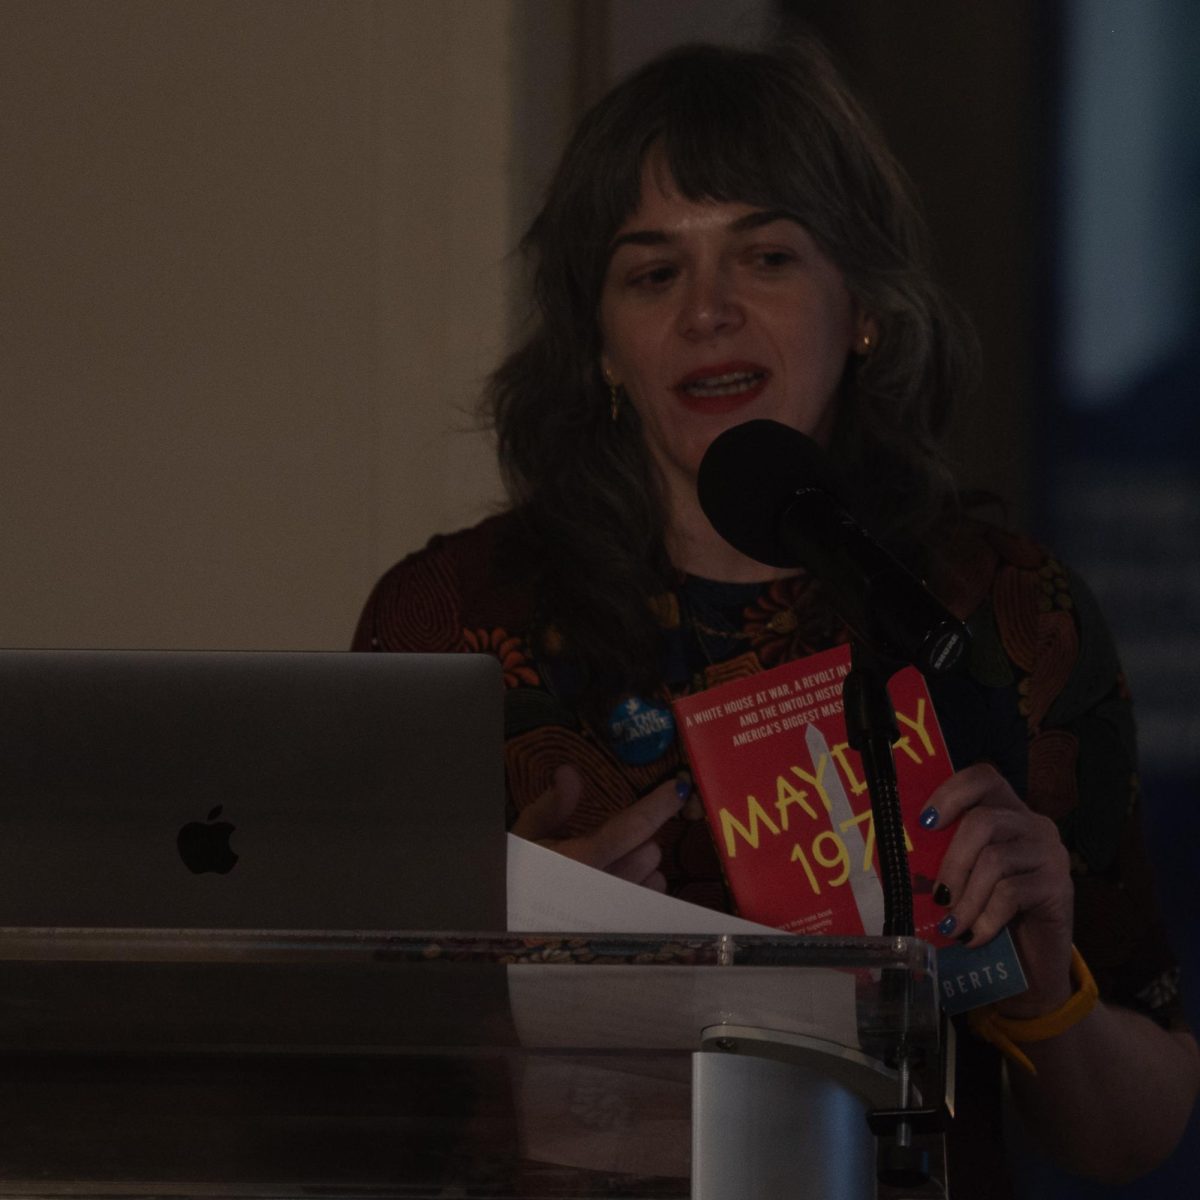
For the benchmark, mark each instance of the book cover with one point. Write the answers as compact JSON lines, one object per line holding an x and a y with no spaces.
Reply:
{"x":787,"y":802}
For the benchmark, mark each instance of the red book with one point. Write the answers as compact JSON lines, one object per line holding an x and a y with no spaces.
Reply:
{"x":787,"y":800}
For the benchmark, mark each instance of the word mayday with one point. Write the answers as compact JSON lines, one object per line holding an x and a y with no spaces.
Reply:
{"x":776,"y":710}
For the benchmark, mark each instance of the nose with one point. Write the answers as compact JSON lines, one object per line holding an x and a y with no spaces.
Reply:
{"x":709,"y":307}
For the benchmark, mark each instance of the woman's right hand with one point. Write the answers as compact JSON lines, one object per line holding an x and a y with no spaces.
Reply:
{"x":623,"y":846}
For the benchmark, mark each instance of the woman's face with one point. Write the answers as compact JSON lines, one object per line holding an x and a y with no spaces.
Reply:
{"x":715,"y":313}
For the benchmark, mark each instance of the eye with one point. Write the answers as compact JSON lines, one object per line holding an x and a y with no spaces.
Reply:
{"x":652,"y":278}
{"x":773,"y":258}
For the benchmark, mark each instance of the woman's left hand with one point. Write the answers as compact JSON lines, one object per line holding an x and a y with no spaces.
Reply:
{"x":1007,"y":865}
{"x":1113,"y":1093}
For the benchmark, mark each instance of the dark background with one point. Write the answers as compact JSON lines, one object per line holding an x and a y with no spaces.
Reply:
{"x":1056,"y":147}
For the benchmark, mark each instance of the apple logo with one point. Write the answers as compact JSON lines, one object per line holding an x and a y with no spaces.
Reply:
{"x":204,"y":845}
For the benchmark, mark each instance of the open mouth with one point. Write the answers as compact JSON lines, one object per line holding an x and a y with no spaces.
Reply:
{"x":729,"y":384}
{"x":723,"y":384}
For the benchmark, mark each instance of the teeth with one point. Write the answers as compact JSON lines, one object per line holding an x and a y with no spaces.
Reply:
{"x":723,"y":385}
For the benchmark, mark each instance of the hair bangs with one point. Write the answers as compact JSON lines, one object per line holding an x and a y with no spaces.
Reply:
{"x":724,"y":141}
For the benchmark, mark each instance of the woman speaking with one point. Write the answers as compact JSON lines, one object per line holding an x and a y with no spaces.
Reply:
{"x":727,"y":238}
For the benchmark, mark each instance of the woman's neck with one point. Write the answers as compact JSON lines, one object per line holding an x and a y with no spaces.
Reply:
{"x":696,"y":548}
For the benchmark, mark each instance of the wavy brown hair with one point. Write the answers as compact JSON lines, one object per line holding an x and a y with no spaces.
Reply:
{"x":777,"y":130}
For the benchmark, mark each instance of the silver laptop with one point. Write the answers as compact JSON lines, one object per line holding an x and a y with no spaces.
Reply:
{"x":241,"y":790}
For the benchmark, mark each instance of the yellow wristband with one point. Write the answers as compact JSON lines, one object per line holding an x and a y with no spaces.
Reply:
{"x":1007,"y":1032}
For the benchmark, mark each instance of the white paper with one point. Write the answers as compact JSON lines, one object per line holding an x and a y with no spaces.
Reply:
{"x":550,"y":893}
{"x":650,"y":1008}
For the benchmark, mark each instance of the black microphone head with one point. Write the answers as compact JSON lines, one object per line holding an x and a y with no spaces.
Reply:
{"x":772,"y":494}
{"x":747,"y":478}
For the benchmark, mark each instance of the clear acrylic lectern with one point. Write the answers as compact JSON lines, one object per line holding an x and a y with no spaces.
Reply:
{"x":332,"y":1064}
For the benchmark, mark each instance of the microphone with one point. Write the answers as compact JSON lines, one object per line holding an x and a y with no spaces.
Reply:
{"x":771,"y":493}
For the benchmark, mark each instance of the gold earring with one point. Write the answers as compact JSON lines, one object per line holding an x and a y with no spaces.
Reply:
{"x":864,"y":343}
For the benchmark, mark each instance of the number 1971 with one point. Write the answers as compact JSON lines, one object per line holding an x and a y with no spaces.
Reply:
{"x":828,"y":850}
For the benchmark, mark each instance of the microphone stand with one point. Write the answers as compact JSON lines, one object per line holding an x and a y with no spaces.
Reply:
{"x":871,"y":730}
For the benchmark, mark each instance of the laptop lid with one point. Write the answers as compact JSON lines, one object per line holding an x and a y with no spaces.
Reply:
{"x":251,"y":790}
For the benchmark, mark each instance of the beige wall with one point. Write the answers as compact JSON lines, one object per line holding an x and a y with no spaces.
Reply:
{"x":253,"y":274}
{"x":256,"y":261}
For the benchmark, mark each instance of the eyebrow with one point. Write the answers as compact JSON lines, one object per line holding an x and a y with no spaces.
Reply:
{"x":656,"y":237}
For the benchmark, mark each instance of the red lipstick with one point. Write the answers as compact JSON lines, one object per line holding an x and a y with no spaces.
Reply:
{"x":721,"y":387}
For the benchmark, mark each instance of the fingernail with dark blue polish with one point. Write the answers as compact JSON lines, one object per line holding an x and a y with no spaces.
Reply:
{"x":947,"y":925}
{"x":941,"y":895}
{"x":683,"y":789}
{"x":929,"y":818}
{"x":964,"y":938}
